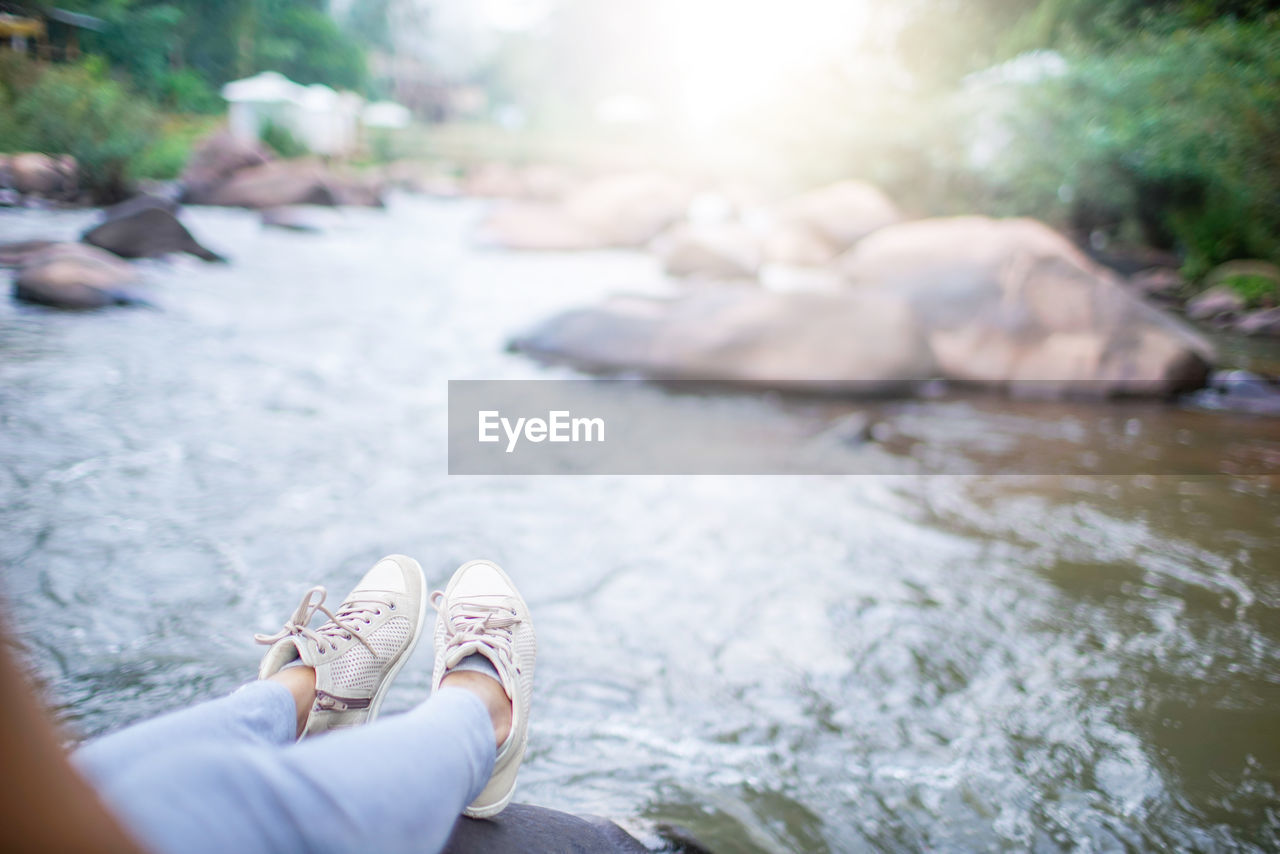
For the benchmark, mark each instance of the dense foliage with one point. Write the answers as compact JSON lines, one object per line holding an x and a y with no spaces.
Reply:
{"x":1161,"y":127}
{"x":1171,"y":140}
{"x":131,"y":108}
{"x":181,"y":51}
{"x":78,"y":110}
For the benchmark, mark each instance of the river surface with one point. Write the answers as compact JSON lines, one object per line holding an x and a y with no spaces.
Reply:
{"x":788,"y":663}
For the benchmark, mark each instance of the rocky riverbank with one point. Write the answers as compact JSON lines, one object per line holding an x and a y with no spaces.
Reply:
{"x":834,"y":290}
{"x":96,"y":273}
{"x":837,"y":289}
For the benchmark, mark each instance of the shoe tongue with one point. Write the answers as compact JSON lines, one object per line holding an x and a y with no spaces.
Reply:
{"x":460,"y":652}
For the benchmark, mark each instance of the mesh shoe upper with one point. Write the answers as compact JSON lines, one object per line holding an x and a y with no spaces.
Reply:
{"x":481,"y":612}
{"x":361,"y":647}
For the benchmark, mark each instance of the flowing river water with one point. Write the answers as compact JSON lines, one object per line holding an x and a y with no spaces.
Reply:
{"x":789,"y":663}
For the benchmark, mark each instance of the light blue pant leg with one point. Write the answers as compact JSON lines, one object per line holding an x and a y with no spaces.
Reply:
{"x":396,"y":785}
{"x":257,"y":713}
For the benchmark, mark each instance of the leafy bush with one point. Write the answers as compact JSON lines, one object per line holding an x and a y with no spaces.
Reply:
{"x":383,"y":147}
{"x":164,"y":159}
{"x":1174,"y":140}
{"x":185,"y":91}
{"x":166,"y":156}
{"x":1255,"y":290}
{"x":18,"y":72}
{"x":281,"y":141}
{"x":77,"y":110}
{"x":1164,"y":130}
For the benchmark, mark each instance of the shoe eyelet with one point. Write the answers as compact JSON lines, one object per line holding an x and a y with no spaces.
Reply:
{"x":392,"y":606}
{"x":322,"y":650}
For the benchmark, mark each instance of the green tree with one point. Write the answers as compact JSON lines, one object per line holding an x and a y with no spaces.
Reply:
{"x":164,"y":45}
{"x":79,"y":110}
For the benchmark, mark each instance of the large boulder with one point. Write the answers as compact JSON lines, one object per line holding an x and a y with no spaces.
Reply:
{"x":840,"y":214}
{"x":215,"y":160}
{"x":794,"y":244}
{"x":74,"y":276}
{"x":273,"y":185}
{"x":34,"y":174}
{"x":625,"y":210}
{"x":1006,"y":304}
{"x":851,"y":343}
{"x":535,"y":226}
{"x":140,"y":202}
{"x":18,"y":252}
{"x":108,"y":263}
{"x":1009,"y":302}
{"x":711,"y":250}
{"x":629,"y":209}
{"x":362,"y":191}
{"x":146,"y":232}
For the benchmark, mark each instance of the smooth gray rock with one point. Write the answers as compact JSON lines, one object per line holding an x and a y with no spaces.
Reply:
{"x":214,"y":161}
{"x":18,"y":252}
{"x":841,"y":213}
{"x":823,"y":343}
{"x":276,"y":184}
{"x":148,"y":232}
{"x":1007,"y":302}
{"x":711,"y":251}
{"x":74,"y":276}
{"x":141,"y":202}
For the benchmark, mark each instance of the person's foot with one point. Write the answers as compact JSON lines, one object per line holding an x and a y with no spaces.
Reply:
{"x":482,"y":613}
{"x":359,"y":651}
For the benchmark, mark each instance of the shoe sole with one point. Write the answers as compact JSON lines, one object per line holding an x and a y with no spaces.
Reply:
{"x":376,"y":704}
{"x":493,"y":809}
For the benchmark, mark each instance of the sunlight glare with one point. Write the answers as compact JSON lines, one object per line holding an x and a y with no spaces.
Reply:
{"x":730,"y":53}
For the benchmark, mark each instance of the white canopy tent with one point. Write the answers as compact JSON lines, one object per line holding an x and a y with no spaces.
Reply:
{"x":324,"y":120}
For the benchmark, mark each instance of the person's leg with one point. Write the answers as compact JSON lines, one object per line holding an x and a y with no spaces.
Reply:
{"x":259,"y":713}
{"x":350,"y":662}
{"x":396,"y":785}
{"x":483,"y":620}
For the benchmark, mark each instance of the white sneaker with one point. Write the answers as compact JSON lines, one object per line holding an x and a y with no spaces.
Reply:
{"x":362,"y":647}
{"x":480,"y":611}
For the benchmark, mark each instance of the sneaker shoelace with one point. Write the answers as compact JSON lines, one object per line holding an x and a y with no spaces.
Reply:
{"x":343,"y":625}
{"x":470,"y":627}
